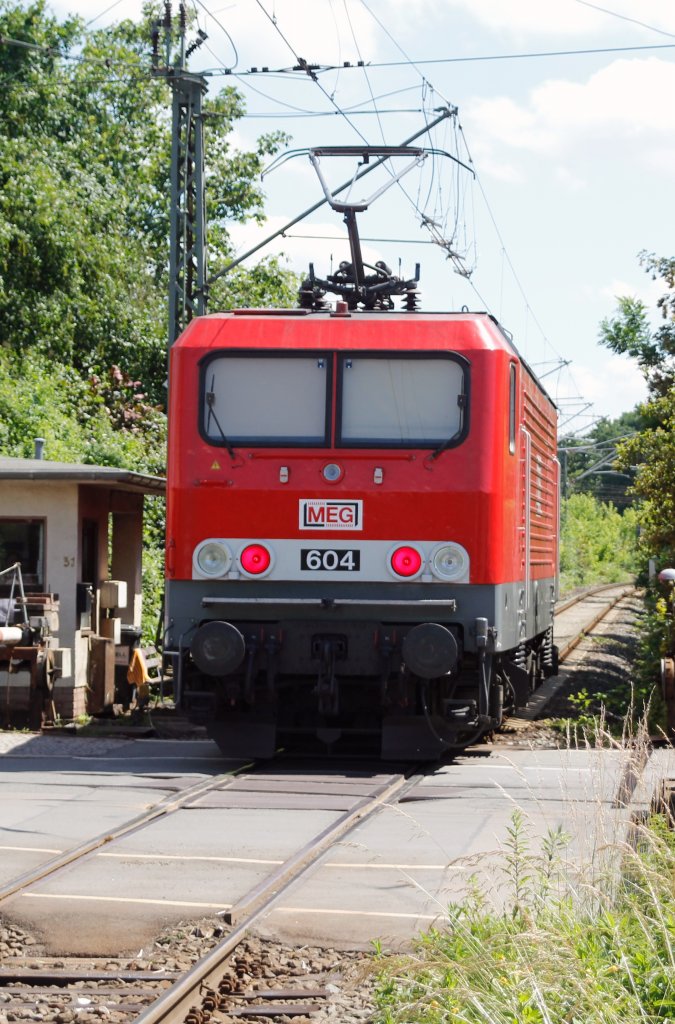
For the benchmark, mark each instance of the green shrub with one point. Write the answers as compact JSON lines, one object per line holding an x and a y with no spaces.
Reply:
{"x":597,"y":544}
{"x":563,"y":948}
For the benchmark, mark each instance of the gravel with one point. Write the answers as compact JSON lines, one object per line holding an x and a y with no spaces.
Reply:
{"x":601,"y":662}
{"x":348,"y":977}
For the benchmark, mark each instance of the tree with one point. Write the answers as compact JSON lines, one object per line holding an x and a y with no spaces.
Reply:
{"x":84,"y":170}
{"x":652,"y":450}
{"x":629,"y":333}
{"x":597,"y":544}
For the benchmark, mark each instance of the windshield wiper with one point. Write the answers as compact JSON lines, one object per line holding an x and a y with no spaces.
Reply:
{"x":444,"y":445}
{"x":210,"y":401}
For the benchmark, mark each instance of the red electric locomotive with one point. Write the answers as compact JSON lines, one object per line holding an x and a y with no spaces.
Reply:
{"x":362,"y":517}
{"x":362,"y":528}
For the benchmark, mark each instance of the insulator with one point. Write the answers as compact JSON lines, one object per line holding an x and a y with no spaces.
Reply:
{"x":182,"y":13}
{"x":167,"y":14}
{"x":155,"y":44}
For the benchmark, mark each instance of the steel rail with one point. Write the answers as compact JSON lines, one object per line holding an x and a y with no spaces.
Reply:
{"x":588,"y":627}
{"x":167,"y":805}
{"x":545,"y":693}
{"x":578,"y":598}
{"x":174,"y":1005}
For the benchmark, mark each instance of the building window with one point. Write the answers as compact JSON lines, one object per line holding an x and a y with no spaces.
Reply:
{"x":22,"y":540}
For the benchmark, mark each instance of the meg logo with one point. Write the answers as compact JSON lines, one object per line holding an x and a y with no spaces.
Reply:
{"x":323,"y":514}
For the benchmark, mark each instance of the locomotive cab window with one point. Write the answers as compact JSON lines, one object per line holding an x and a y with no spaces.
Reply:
{"x":265,"y":399}
{"x":512,"y":408}
{"x":402,"y":401}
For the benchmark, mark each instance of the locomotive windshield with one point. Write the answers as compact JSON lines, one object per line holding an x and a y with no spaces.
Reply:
{"x":400,"y":400}
{"x":265,"y":399}
{"x":383,"y":400}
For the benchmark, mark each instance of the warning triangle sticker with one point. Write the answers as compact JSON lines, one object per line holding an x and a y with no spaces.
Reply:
{"x":215,"y":465}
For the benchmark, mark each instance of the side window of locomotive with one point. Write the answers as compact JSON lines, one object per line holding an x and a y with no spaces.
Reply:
{"x":401,"y":401}
{"x":513,"y":398}
{"x":265,"y":400}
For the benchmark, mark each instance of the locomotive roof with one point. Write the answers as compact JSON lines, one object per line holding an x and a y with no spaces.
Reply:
{"x":369,"y":330}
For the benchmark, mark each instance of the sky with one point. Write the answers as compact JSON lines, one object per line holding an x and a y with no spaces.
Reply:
{"x":565,"y":134}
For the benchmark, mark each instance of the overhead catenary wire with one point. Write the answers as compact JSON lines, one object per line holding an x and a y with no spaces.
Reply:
{"x":624,"y":17}
{"x":351,"y":112}
{"x":302,"y":66}
{"x":427,"y":61}
{"x":222,"y":28}
{"x":302,"y":63}
{"x":107,"y":10}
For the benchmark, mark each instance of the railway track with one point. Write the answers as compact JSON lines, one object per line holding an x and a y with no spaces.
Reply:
{"x":578,"y":616}
{"x":230,"y":982}
{"x":212,"y":987}
{"x":225,"y":976}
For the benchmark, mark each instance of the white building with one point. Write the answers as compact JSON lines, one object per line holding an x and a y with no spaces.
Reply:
{"x":74,"y":527}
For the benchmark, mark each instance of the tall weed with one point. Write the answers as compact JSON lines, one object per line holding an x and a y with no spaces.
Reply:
{"x":566,"y":946}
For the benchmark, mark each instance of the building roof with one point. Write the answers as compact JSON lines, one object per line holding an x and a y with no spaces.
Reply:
{"x":108,"y":476}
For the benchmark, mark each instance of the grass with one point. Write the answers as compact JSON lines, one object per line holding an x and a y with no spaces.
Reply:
{"x":591,"y":945}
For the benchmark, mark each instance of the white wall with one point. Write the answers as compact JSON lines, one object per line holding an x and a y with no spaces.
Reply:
{"x":57,"y":504}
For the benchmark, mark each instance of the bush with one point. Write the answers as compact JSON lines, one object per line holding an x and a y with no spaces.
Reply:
{"x":597,"y":544}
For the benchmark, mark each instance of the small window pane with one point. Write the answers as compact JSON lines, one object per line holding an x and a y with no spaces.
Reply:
{"x":401,"y":401}
{"x":512,"y":408}
{"x":22,"y":540}
{"x":269,"y":400}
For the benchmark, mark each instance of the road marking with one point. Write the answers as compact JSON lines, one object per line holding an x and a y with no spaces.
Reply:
{"x":355,"y":913}
{"x":29,"y":849}
{"x":492,"y":766}
{"x":255,"y":860}
{"x":349,"y":865}
{"x":126,"y":899}
{"x":176,"y":856}
{"x":398,"y":867}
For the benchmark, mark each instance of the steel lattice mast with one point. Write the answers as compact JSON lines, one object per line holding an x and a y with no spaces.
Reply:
{"x":187,"y":226}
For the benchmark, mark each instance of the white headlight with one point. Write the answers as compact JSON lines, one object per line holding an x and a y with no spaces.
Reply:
{"x":450,"y":562}
{"x":212,"y":558}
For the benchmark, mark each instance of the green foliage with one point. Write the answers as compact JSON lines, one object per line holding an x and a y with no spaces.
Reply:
{"x":562,"y":949}
{"x":629,"y":333}
{"x":598,"y":544}
{"x":85,"y":141}
{"x":104,"y":422}
{"x":84,"y":195}
{"x":652,"y":451}
{"x":79,"y":419}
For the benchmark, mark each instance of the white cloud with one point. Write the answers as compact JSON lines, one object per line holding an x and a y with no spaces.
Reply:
{"x":526,"y":18}
{"x":618,"y":388}
{"x":648,"y":291}
{"x":625,"y":109}
{"x":569,"y":180}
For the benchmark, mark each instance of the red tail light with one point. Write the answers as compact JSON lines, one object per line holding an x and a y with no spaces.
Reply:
{"x":406,"y":561}
{"x":255,"y":559}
